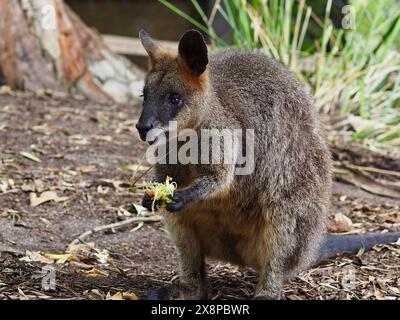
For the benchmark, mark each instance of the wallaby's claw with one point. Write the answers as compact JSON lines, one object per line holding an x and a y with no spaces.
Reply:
{"x":147,"y":202}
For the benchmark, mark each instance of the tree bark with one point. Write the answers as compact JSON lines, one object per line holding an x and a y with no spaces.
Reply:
{"x":44,"y":44}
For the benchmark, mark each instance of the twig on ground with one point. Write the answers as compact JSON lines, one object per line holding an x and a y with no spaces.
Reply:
{"x":94,"y":230}
{"x":368,"y":169}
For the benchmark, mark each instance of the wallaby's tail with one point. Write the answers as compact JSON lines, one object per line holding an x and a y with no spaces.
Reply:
{"x":334,"y":244}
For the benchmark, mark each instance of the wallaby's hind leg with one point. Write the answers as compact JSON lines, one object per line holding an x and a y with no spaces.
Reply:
{"x":191,"y":259}
{"x":291,"y":237}
{"x":270,"y":282}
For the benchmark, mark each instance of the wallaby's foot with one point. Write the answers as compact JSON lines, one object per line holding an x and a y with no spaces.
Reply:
{"x":269,"y":286}
{"x":177,"y":292}
{"x":267,"y":295}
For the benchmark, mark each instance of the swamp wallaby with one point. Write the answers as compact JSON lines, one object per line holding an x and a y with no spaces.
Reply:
{"x":272,"y":218}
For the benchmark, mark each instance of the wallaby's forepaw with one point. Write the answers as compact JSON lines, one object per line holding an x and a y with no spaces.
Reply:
{"x":147,"y":202}
{"x":179,"y":203}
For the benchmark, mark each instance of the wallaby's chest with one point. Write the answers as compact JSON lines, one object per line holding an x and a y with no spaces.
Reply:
{"x":225,"y":233}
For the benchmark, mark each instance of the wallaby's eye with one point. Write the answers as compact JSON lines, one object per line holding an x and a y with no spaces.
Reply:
{"x":175,"y":99}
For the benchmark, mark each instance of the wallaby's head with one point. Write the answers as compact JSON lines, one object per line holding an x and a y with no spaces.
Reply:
{"x":176,"y":86}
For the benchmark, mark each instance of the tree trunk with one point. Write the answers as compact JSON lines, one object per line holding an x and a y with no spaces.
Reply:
{"x":44,"y":44}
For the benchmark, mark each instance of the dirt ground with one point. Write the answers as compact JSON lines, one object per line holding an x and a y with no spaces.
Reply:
{"x":86,"y":154}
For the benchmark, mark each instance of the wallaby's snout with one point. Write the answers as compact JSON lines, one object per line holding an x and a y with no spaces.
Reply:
{"x":146,"y":120}
{"x":143,"y":127}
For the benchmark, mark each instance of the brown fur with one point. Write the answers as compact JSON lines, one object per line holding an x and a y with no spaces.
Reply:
{"x":272,"y":220}
{"x":198,"y":83}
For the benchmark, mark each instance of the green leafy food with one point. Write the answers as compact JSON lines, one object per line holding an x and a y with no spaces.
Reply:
{"x":161,"y":193}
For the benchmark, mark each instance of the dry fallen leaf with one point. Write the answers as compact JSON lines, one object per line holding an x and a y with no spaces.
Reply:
{"x":340,"y":223}
{"x":45,"y":221}
{"x":87,"y":169}
{"x":122,"y":296}
{"x":42,"y":129}
{"x":104,"y":138}
{"x":395,"y":290}
{"x":379,"y":295}
{"x":81,"y":265}
{"x":94,"y":293}
{"x":78,"y":139}
{"x":141,"y":211}
{"x":45,"y":197}
{"x":48,"y":258}
{"x":102,"y":256}
{"x":87,"y":253}
{"x":81,"y":249}
{"x":60,"y":258}
{"x":294,"y":297}
{"x":4,"y":185}
{"x":36,"y":256}
{"x":116,"y":296}
{"x":94,"y":273}
{"x":30,"y":156}
{"x":392,"y":217}
{"x":22,"y":294}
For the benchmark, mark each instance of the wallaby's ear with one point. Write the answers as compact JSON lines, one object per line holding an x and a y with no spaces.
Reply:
{"x":193,"y":51}
{"x":152,"y":48}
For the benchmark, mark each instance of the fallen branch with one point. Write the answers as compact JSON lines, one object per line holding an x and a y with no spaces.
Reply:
{"x":363,"y":180}
{"x":88,"y":233}
{"x":368,"y":169}
{"x":132,"y":46}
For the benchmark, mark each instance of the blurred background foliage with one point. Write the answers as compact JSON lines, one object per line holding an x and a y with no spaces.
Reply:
{"x":349,"y":56}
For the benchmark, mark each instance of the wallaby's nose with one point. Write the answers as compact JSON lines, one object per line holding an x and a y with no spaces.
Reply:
{"x":143,"y":129}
